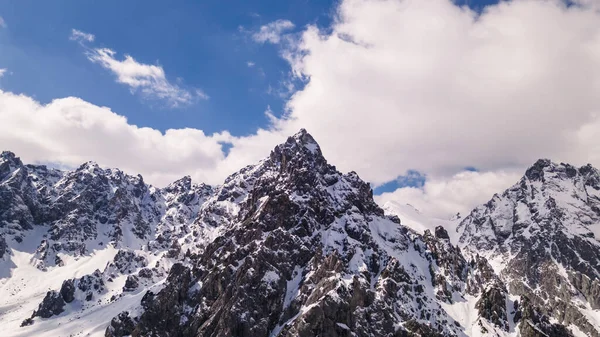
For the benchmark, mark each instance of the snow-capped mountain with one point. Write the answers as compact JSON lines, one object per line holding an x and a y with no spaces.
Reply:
{"x":543,"y":236}
{"x":291,"y":247}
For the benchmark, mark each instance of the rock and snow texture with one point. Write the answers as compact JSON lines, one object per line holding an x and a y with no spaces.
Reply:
{"x":291,"y":247}
{"x":542,"y":236}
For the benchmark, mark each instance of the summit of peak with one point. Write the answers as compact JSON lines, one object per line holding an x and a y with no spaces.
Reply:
{"x":184,"y":182}
{"x":8,"y":156}
{"x":9,"y":162}
{"x":302,"y":132}
{"x":545,"y":168}
{"x":304,"y":138}
{"x":299,"y":148}
{"x":89,"y":164}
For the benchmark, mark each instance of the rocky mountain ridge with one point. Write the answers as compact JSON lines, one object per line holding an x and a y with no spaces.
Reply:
{"x":544,"y":234}
{"x":286,"y":247}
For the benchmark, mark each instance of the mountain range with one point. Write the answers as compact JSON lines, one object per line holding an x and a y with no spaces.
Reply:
{"x":292,"y":247}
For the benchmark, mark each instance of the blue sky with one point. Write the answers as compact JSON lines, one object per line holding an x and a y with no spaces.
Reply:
{"x":198,"y":42}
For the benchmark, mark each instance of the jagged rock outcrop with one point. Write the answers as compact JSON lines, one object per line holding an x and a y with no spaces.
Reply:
{"x":492,"y":306}
{"x":67,"y":291}
{"x":52,"y":304}
{"x":132,"y":283}
{"x":120,"y":326}
{"x":533,"y":323}
{"x":82,"y":289}
{"x":126,"y":262}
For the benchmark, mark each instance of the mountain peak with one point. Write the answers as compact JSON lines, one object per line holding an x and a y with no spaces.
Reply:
{"x":304,"y":138}
{"x":88,"y":166}
{"x":536,"y":171}
{"x":9,"y":162}
{"x":544,"y":169}
{"x":299,"y":150}
{"x":545,"y":223}
{"x":181,"y":184}
{"x":8,"y":156}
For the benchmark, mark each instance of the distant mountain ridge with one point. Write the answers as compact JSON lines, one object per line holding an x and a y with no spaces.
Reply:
{"x":292,"y":247}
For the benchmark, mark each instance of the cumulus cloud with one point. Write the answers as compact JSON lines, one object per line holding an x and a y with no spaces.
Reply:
{"x":273,"y":31}
{"x":148,"y":79}
{"x":434,"y":87}
{"x":430,"y":86}
{"x":3,"y":71}
{"x":70,"y":131}
{"x":77,"y":35}
{"x":442,"y":197}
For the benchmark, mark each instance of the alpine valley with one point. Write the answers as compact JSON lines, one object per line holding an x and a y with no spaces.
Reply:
{"x":292,"y":247}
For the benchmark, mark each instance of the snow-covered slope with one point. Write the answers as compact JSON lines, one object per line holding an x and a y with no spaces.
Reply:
{"x":286,"y":247}
{"x":419,"y":222}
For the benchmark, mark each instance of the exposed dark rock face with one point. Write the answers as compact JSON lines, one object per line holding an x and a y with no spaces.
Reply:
{"x":17,"y":191}
{"x":120,"y":326}
{"x":67,"y":291}
{"x":589,"y":288}
{"x":126,"y":262}
{"x":145,"y":273}
{"x":450,"y":271}
{"x":3,"y":246}
{"x":78,"y":207}
{"x":91,"y":284}
{"x":492,"y":306}
{"x":441,"y":233}
{"x":132,"y":283}
{"x":52,"y":304}
{"x":27,"y":322}
{"x":535,"y":324}
{"x":83,"y":288}
{"x":165,"y":311}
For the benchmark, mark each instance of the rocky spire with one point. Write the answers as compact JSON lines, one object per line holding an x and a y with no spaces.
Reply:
{"x":9,"y":162}
{"x":299,"y":151}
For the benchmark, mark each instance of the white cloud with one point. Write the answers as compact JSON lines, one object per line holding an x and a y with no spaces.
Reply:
{"x":77,"y":35}
{"x":148,"y":79}
{"x":2,"y":23}
{"x":392,"y":86}
{"x":273,"y":31}
{"x":70,"y":131}
{"x":3,"y":71}
{"x":443,"y":197}
{"x":433,"y":87}
{"x":250,"y":64}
